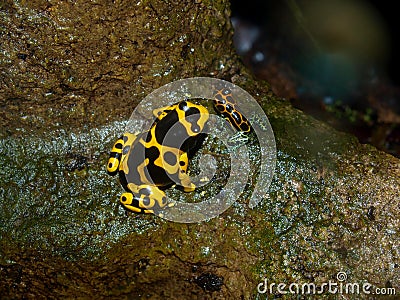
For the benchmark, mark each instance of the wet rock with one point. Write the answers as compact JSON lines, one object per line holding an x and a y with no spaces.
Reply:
{"x":72,"y":71}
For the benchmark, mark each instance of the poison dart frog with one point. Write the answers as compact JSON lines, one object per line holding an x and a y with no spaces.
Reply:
{"x":165,"y":149}
{"x":157,"y":158}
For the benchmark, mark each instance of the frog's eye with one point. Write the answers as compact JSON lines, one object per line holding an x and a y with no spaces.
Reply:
{"x":195,"y":128}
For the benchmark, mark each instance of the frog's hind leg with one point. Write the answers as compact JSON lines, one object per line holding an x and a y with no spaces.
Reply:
{"x":145,"y":199}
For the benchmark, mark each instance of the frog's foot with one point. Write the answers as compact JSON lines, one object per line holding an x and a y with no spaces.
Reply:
{"x":131,"y":203}
{"x":237,"y":140}
{"x":186,"y":183}
{"x":146,"y":199}
{"x":189,"y":188}
{"x":171,"y":204}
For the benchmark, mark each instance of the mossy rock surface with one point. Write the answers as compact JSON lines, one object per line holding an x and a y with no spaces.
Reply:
{"x":72,"y":72}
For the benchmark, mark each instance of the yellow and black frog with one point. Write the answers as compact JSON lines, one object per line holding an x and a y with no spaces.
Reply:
{"x":153,"y":160}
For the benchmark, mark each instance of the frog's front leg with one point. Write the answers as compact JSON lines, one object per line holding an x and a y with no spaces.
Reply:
{"x":237,"y":140}
{"x":144,"y":199}
{"x":184,"y":179}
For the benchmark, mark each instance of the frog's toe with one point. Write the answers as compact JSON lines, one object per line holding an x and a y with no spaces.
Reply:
{"x":171,"y":204}
{"x":189,"y":188}
{"x":187,"y":184}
